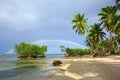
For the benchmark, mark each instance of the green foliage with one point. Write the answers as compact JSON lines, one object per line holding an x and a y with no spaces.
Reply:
{"x":96,"y":39}
{"x":105,"y":46}
{"x":77,"y":51}
{"x":27,"y":49}
{"x":80,"y":24}
{"x":109,"y":18}
{"x":95,"y":36}
{"x":109,"y":21}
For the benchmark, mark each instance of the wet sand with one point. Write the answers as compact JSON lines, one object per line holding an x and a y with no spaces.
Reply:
{"x":88,"y":69}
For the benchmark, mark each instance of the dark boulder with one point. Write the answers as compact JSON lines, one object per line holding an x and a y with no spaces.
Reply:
{"x":56,"y":63}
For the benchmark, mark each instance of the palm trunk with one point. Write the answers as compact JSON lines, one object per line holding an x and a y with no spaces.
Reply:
{"x":112,"y":43}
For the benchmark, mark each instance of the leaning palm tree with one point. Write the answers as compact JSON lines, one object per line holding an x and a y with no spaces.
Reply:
{"x":80,"y":24}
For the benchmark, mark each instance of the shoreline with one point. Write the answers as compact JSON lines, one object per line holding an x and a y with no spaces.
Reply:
{"x":107,"y":68}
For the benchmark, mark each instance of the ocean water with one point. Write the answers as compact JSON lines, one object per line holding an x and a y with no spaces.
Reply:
{"x":11,"y":68}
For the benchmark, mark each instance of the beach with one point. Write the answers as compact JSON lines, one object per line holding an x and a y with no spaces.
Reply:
{"x":73,"y":68}
{"x":107,"y":68}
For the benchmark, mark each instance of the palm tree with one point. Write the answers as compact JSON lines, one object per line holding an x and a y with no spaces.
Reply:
{"x":90,"y":41}
{"x":105,"y":46}
{"x":80,"y":24}
{"x":117,"y":17}
{"x":116,"y":24}
{"x":111,"y":21}
{"x":97,"y":33}
{"x":108,"y":15}
{"x":95,"y":36}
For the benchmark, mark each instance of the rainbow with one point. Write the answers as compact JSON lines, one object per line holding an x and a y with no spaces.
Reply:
{"x":60,"y":41}
{"x":64,"y":41}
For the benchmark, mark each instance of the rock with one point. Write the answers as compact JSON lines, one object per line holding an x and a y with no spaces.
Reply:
{"x":56,"y":62}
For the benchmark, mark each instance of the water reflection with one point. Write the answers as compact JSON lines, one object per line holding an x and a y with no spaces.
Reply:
{"x":11,"y":69}
{"x":15,"y":71}
{"x":17,"y":67}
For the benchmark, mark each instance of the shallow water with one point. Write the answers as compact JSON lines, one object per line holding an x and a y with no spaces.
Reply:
{"x":13,"y":69}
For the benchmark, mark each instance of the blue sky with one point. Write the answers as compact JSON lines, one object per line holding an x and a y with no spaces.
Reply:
{"x":31,"y":20}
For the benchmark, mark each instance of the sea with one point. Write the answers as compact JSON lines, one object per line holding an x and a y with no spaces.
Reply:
{"x":11,"y":68}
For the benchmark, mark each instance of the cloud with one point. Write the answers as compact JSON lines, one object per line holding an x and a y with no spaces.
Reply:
{"x":12,"y":17}
{"x":29,"y":20}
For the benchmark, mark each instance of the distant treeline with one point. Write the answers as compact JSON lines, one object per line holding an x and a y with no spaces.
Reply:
{"x":75,"y":51}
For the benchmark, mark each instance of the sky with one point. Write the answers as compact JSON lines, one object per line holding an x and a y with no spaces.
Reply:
{"x":32,"y":20}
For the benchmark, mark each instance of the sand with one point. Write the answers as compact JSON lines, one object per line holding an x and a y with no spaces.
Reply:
{"x":88,"y":69}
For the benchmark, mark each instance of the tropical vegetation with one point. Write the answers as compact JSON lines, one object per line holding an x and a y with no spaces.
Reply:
{"x":28,"y":50}
{"x":75,"y":51}
{"x":103,"y":38}
{"x":80,"y":24}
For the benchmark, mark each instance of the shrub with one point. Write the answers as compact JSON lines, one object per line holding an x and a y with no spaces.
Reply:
{"x":77,"y":51}
{"x":32,"y":50}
